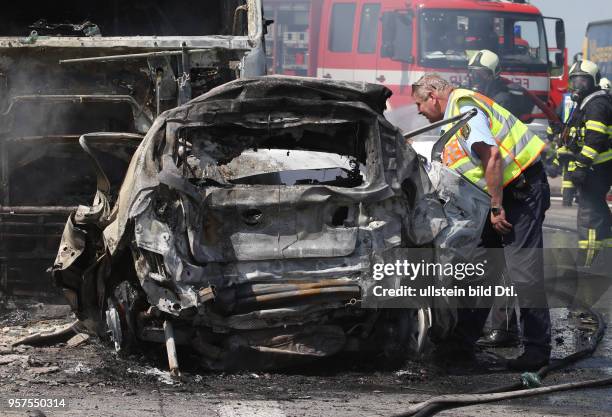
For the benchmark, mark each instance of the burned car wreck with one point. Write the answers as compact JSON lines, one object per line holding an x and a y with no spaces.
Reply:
{"x":247,"y":226}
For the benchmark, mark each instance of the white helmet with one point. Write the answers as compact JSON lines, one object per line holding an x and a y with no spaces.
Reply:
{"x":586,"y":68}
{"x":605,"y":84}
{"x":584,"y":77}
{"x":485,"y":59}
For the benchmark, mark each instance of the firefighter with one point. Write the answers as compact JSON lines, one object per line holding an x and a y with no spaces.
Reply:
{"x":592,"y":170}
{"x":564,"y":159}
{"x":498,"y":154}
{"x":484,"y":76}
{"x":484,"y":72}
{"x":563,"y":155}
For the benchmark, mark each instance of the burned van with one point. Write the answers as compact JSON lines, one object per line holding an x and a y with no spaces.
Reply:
{"x":69,"y":68}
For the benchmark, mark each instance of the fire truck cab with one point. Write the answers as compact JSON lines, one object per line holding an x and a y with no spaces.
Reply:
{"x":395,"y":42}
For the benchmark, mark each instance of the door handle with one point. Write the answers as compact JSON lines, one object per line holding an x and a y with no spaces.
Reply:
{"x":327,"y":75}
{"x":381,"y":78}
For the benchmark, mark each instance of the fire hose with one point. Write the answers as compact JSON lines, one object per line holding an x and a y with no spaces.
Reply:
{"x":530,"y":381}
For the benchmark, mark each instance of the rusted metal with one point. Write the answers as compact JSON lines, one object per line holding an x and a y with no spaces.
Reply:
{"x":271,"y":288}
{"x":313,"y":295}
{"x":171,"y":349}
{"x":239,"y":9}
{"x":206,"y":294}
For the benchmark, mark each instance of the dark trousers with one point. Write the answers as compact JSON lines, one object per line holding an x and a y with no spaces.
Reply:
{"x":594,"y":214}
{"x":503,"y":314}
{"x":568,"y":190}
{"x":522,"y":248}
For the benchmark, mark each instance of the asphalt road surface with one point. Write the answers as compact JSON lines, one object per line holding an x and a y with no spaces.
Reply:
{"x":93,"y":381}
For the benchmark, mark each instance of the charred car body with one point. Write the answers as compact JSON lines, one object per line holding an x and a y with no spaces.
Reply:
{"x":68,"y":68}
{"x":248,"y":224}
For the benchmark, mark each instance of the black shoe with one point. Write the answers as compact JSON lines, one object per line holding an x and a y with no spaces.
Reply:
{"x":530,"y":360}
{"x":499,"y":338}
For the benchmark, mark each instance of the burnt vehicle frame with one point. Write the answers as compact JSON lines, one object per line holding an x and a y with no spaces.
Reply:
{"x":250,"y":261}
{"x":69,"y":68}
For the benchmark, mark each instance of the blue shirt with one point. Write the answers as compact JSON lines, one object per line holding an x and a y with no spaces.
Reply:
{"x":478,"y":131}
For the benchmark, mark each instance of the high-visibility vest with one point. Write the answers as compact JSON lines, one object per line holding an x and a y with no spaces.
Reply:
{"x":518,"y":146}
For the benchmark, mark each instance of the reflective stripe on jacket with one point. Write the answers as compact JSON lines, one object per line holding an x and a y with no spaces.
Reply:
{"x":589,"y":152}
{"x":593,"y":129}
{"x":518,"y":147}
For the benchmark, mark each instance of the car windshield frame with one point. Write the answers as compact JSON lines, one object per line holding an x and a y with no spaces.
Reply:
{"x":509,"y":62}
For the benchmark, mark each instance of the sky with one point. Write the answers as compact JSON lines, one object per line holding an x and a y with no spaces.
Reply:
{"x":576,"y":14}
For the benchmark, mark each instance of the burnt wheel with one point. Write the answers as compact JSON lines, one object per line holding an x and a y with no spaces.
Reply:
{"x":123,"y":306}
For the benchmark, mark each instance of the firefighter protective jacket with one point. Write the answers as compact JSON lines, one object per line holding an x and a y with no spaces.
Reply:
{"x":593,"y":124}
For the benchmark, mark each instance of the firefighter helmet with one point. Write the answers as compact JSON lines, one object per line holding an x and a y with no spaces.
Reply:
{"x":584,"y":79}
{"x":485,"y":59}
{"x":586,"y":68}
{"x":605,"y":84}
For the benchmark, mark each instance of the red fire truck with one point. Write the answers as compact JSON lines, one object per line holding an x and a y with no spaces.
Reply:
{"x":395,"y":42}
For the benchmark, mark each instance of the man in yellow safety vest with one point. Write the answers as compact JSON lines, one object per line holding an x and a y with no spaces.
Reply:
{"x":497,"y":153}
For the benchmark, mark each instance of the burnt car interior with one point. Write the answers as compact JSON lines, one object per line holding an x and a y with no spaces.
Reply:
{"x":340,"y":171}
{"x":123,"y":18}
{"x":331,"y":154}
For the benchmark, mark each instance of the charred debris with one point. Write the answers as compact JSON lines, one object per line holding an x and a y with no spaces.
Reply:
{"x":69,"y":68}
